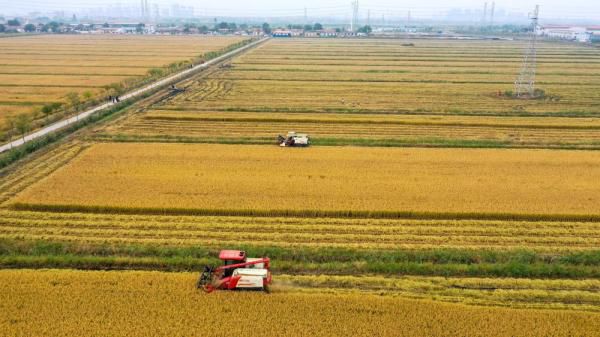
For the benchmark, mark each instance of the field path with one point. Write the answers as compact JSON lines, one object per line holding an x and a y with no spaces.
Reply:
{"x":133,"y":94}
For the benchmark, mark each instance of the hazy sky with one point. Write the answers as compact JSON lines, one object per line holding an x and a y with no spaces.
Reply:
{"x":550,"y":8}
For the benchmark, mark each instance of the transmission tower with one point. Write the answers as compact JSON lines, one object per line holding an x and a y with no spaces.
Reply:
{"x":492,"y":13}
{"x":484,"y":17}
{"x":525,"y":84}
{"x":354,"y":23}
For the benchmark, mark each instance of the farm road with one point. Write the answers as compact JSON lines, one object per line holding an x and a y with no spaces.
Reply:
{"x":133,"y":94}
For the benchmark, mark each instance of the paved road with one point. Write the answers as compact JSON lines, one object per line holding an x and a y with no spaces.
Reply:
{"x":136,"y":93}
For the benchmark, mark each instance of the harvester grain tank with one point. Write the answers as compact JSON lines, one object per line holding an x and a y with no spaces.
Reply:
{"x":294,"y":139}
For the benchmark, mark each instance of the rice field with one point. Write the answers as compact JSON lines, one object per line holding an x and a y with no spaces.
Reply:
{"x":158,"y":304}
{"x":372,"y":231}
{"x":38,"y":70}
{"x":426,"y":93}
{"x":448,"y":77}
{"x":268,"y":180}
{"x":360,"y":129}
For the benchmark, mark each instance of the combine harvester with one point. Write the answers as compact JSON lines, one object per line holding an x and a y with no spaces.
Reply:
{"x":293,"y":140}
{"x":237,"y":272}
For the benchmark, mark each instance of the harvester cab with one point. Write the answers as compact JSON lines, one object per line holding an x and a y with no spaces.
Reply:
{"x":293,"y":139}
{"x":237,"y":272}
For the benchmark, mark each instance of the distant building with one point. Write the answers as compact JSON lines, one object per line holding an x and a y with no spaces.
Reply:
{"x":570,"y":33}
{"x":281,"y":33}
{"x":322,"y":33}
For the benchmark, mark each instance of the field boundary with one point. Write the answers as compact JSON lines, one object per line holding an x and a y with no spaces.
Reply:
{"x":341,"y":214}
{"x":127,"y":97}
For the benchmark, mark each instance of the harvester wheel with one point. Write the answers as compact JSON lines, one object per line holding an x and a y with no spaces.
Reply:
{"x":267,"y":289}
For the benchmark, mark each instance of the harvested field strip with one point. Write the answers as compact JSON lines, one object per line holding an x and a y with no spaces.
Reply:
{"x":32,"y":171}
{"x":466,"y":121}
{"x":32,"y":297}
{"x":335,"y":232}
{"x":321,"y":134}
{"x":387,"y":70}
{"x":530,"y":131}
{"x":565,"y":294}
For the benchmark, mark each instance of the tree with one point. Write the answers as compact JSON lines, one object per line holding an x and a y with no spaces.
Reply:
{"x":87,"y":95}
{"x":23,"y":124}
{"x":318,"y":26}
{"x":14,"y":23}
{"x":53,"y":27}
{"x":29,"y":28}
{"x":140,"y":28}
{"x":232,"y":26}
{"x":106,"y":25}
{"x":203,"y":29}
{"x":49,"y":108}
{"x":74,"y":100}
{"x":365,"y":29}
{"x":308,"y":28}
{"x":223,"y":25}
{"x":266,"y":28}
{"x":2,"y":28}
{"x":244,"y":26}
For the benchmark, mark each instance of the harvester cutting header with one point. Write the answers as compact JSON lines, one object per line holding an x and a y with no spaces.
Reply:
{"x":237,"y":272}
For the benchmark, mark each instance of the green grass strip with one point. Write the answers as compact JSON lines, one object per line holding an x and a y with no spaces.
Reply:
{"x":335,"y":261}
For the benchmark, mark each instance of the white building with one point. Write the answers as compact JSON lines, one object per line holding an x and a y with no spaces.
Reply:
{"x":570,"y":33}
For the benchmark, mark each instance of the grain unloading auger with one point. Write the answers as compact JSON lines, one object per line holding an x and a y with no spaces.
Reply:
{"x":237,"y":272}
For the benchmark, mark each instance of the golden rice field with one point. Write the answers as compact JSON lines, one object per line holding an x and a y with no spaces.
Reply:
{"x":434,"y":93}
{"x":35,"y":70}
{"x":255,"y":127}
{"x":374,"y":234}
{"x":324,"y":180}
{"x":160,"y":304}
{"x":448,"y":77}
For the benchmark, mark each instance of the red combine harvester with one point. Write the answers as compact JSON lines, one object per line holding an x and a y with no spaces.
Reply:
{"x":237,"y":272}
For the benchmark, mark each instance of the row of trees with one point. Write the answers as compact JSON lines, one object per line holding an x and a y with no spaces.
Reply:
{"x":23,"y":123}
{"x":308,"y":28}
{"x":51,"y":27}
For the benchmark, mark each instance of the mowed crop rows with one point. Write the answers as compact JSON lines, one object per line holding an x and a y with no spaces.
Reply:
{"x":384,"y":93}
{"x":387,"y":76}
{"x":334,"y":181}
{"x":158,"y":304}
{"x":329,"y":129}
{"x":36,"y":70}
{"x":215,"y":231}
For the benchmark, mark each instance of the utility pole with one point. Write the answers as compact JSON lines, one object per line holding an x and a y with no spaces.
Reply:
{"x":305,"y":16}
{"x":525,"y":84}
{"x":492,"y":13}
{"x":409,"y":18}
{"x":484,"y":18}
{"x":369,"y":18}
